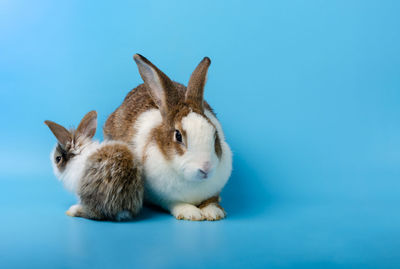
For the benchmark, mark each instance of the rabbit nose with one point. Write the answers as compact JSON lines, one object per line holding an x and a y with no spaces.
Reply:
{"x":203,"y":174}
{"x":206,"y":167}
{"x":205,"y":170}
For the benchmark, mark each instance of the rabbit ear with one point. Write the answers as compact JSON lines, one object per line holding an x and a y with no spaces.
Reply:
{"x":197,"y":81}
{"x":88,"y":125}
{"x":160,"y":87}
{"x":63,"y":135}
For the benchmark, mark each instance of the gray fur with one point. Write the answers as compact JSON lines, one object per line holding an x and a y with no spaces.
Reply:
{"x":111,"y":187}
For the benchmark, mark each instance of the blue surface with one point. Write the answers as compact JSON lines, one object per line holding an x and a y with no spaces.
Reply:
{"x":308,"y":93}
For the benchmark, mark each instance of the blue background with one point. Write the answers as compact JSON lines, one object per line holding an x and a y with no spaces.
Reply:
{"x":308,"y":93}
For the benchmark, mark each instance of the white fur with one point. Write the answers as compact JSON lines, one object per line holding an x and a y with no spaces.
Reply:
{"x":217,"y":124}
{"x":173,"y":183}
{"x":200,"y":147}
{"x":144,"y":125}
{"x":74,"y":169}
{"x":213,"y":212}
{"x":73,"y":210}
{"x":186,"y":211}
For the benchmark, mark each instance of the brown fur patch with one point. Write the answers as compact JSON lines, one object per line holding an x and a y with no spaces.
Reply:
{"x":212,"y":200}
{"x":197,"y":81}
{"x":63,"y":135}
{"x":217,"y":146}
{"x":163,"y":137}
{"x":120,"y":124}
{"x":87,"y":126}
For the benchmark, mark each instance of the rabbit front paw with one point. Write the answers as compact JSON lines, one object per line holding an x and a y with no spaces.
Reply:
{"x":74,"y":211}
{"x":213,"y":212}
{"x":186,"y":212}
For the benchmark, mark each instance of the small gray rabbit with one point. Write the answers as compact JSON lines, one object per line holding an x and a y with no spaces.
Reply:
{"x":105,"y":176}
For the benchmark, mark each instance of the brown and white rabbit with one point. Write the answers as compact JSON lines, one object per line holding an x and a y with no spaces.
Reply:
{"x":105,"y":176}
{"x":178,"y":139}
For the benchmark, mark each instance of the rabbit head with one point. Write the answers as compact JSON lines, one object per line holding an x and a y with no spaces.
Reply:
{"x":70,"y":143}
{"x":187,"y":137}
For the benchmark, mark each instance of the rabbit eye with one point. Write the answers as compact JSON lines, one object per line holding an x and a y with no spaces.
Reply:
{"x":58,"y":159}
{"x":178,"y":136}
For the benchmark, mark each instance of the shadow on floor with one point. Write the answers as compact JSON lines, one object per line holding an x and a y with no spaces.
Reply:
{"x":150,"y":211}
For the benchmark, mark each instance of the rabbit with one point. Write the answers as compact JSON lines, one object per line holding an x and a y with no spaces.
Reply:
{"x":178,"y":140}
{"x":105,"y":176}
